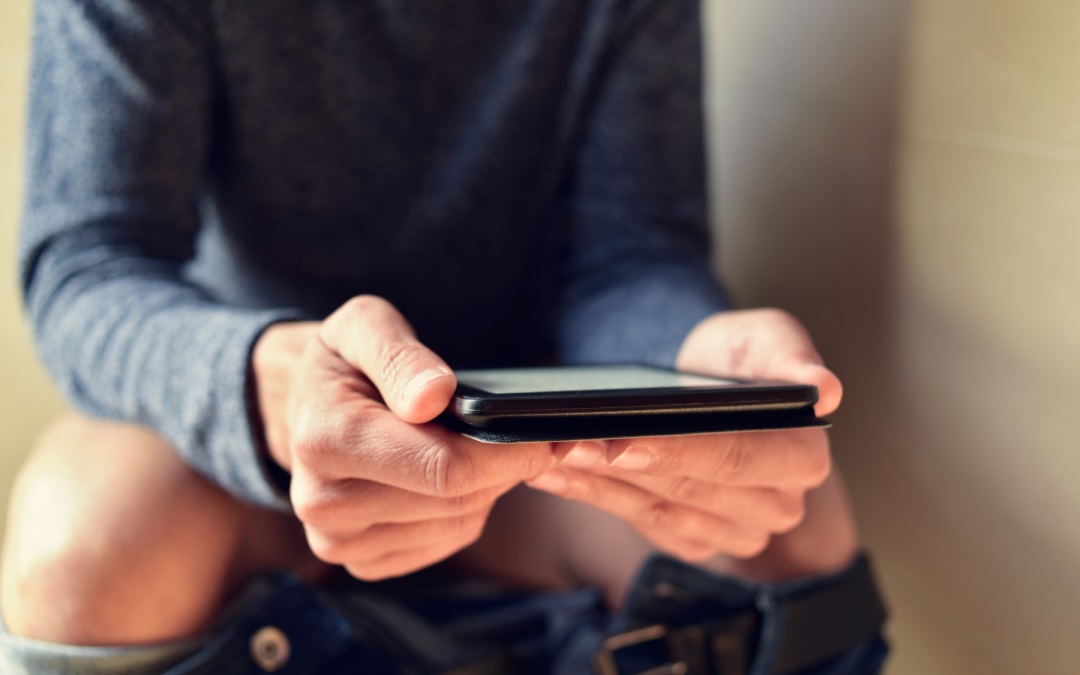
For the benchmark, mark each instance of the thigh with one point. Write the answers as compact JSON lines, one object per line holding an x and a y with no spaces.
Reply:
{"x":112,"y":539}
{"x":541,"y":541}
{"x":538,"y":541}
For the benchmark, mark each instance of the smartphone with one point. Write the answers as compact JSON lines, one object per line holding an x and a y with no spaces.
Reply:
{"x":619,"y":401}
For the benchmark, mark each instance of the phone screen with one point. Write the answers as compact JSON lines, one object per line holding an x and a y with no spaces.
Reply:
{"x":591,"y":378}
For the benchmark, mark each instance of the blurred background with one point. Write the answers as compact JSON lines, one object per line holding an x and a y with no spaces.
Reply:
{"x":904,"y":175}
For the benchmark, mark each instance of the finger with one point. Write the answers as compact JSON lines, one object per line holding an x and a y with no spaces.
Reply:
{"x":373,"y":337}
{"x":790,"y":459}
{"x":764,"y":344}
{"x":767,"y":509}
{"x":348,"y":506}
{"x":652,"y":515}
{"x":383,"y":539}
{"x":830,"y":390}
{"x":369,"y":443}
{"x":581,"y":454}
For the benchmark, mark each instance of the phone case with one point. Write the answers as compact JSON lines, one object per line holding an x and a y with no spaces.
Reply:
{"x":494,"y":412}
{"x":576,"y":428}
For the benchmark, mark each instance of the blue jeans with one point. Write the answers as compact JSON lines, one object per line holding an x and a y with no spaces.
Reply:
{"x":415,"y":625}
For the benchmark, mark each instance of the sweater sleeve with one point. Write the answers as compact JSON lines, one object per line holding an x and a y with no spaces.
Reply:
{"x":118,"y":130}
{"x":636,"y":276}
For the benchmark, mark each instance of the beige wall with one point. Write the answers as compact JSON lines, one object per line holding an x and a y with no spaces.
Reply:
{"x":27,"y":399}
{"x":905,"y":176}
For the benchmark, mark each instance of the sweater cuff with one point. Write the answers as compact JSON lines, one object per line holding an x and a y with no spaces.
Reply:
{"x":643,"y":316}
{"x":238,"y":458}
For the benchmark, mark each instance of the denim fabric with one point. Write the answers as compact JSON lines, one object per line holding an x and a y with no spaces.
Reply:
{"x":360,"y":629}
{"x":521,"y":179}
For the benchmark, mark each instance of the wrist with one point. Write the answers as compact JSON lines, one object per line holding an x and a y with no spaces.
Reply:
{"x":824,"y":543}
{"x":274,"y":362}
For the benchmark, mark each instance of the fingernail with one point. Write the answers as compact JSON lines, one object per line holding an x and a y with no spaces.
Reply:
{"x":634,"y":458}
{"x":550,"y":481}
{"x":422,"y":380}
{"x":584,"y":455}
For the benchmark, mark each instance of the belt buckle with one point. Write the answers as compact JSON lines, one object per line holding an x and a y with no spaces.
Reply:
{"x":689,"y":648}
{"x":604,"y":661}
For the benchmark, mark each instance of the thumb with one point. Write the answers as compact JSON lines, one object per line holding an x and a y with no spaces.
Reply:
{"x":830,"y":390}
{"x":373,"y":337}
{"x":761,"y":344}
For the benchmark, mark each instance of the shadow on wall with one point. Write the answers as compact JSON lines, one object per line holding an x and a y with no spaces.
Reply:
{"x":805,"y":111}
{"x":903,"y":176}
{"x":806,"y":106}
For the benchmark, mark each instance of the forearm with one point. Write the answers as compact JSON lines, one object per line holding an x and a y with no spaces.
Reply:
{"x":635,"y":271}
{"x":635,"y":309}
{"x":126,"y":339}
{"x":119,"y":124}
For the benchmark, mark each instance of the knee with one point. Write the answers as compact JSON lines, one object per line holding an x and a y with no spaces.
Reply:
{"x":51,"y":569}
{"x":100,"y":540}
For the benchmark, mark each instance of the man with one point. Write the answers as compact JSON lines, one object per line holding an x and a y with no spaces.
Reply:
{"x":260,"y":236}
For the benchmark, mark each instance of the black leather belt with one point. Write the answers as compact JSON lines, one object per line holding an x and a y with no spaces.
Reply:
{"x":818,"y":624}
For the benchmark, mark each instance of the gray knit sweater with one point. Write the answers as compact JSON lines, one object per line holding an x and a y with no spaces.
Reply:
{"x":522,"y":178}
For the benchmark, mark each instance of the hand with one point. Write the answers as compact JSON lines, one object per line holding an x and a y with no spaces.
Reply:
{"x":345,"y":405}
{"x":698,"y":497}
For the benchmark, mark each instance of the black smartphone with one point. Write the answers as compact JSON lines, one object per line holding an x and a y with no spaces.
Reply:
{"x":568,"y":403}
